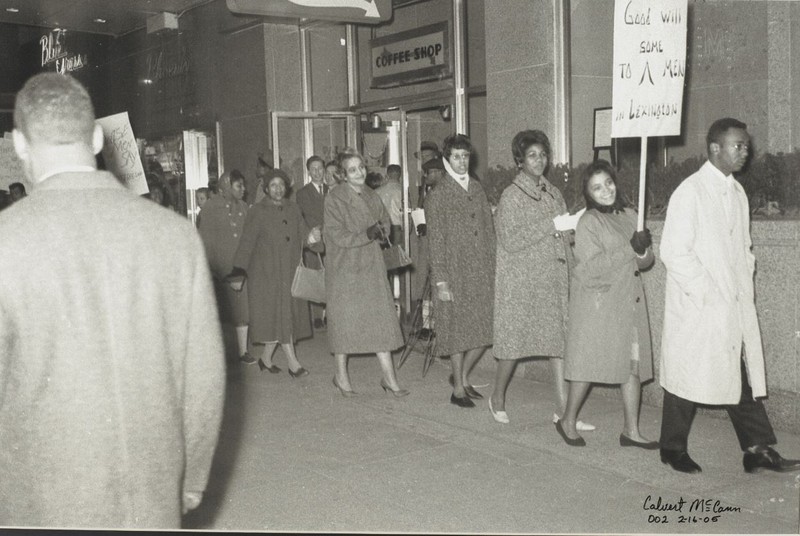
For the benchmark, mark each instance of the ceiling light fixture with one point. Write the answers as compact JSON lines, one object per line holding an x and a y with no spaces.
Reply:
{"x":99,"y":20}
{"x":12,"y":10}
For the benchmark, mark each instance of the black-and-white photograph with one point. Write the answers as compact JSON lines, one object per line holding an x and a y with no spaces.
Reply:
{"x":400,"y":266}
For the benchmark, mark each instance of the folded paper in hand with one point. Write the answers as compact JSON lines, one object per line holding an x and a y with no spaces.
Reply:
{"x":567,"y":221}
{"x":418,"y":216}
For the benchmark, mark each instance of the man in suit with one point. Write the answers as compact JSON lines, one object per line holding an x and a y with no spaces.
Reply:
{"x":711,"y":349}
{"x":111,"y":363}
{"x":311,"y":200}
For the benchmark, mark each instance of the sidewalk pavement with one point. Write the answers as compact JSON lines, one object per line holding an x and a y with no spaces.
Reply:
{"x":294,"y":455}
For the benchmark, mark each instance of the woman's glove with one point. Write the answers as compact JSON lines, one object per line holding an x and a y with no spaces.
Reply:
{"x":314,"y":236}
{"x":236,"y":278}
{"x":443,"y":291}
{"x":375,"y":231}
{"x":640,"y":241}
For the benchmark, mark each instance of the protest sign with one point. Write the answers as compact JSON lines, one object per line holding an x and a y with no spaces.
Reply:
{"x":649,"y":67}
{"x":648,"y":74}
{"x":121,"y":152}
{"x":11,"y":169}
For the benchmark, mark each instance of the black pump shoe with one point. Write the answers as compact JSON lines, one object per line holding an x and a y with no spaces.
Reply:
{"x":625,"y":441}
{"x":579,"y":442}
{"x":462,"y":402}
{"x":274,"y":369}
{"x":299,"y":373}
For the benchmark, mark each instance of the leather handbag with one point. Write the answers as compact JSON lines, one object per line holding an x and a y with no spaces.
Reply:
{"x":308,"y":283}
{"x":395,"y":257}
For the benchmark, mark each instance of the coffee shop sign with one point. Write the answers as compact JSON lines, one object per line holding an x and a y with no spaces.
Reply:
{"x":54,"y":52}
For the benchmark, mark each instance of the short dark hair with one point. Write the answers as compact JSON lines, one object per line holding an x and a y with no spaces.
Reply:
{"x":719,"y":127}
{"x":203,"y":190}
{"x":374,"y":179}
{"x":55,"y":109}
{"x":523,"y":140}
{"x":456,"y":141}
{"x":313,"y":159}
{"x":17,"y":186}
{"x":393,"y":167}
{"x":236,"y":176}
{"x":593,"y":169}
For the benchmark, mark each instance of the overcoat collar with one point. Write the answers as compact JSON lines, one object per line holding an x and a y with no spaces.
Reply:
{"x":83,"y":180}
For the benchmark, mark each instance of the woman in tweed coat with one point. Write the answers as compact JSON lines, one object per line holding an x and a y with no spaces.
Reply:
{"x":361,"y":314}
{"x":532,"y":281}
{"x":462,"y":251}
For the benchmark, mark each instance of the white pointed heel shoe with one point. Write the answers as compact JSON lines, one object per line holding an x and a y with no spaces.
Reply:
{"x":499,"y":416}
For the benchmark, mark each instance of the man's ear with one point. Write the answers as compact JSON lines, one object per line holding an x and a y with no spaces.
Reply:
{"x":97,"y":139}
{"x":21,"y":145}
{"x":713,"y":147}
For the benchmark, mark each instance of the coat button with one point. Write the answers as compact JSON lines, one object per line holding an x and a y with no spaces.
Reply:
{"x":562,"y":261}
{"x":287,"y":238}
{"x":637,"y":299}
{"x":285,"y":222}
{"x":476,"y":233}
{"x":235,"y":235}
{"x":636,"y":273}
{"x":472,"y":215}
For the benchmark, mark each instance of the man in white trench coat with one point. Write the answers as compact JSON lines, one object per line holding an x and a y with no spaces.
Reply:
{"x":711,"y":346}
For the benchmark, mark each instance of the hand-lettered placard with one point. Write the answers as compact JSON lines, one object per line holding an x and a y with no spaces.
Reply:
{"x":11,"y":169}
{"x":121,"y":153}
{"x":649,"y":67}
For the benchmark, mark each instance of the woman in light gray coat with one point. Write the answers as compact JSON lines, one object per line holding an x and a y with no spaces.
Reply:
{"x":608,"y":336}
{"x":361,"y":314}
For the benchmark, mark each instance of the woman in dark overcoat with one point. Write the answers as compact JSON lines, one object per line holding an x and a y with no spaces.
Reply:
{"x":269,"y":252}
{"x":608,"y":334}
{"x":532,"y":279}
{"x":221,"y":229}
{"x":361,"y":313}
{"x":462,"y":256}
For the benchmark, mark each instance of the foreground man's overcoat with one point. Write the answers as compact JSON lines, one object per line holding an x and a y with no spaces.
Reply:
{"x":111,"y":362}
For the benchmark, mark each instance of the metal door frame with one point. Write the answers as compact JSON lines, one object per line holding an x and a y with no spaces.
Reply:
{"x":351,"y":130}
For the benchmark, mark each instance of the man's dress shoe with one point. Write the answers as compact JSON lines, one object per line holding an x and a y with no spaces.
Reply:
{"x":679,"y":460}
{"x":768,"y":459}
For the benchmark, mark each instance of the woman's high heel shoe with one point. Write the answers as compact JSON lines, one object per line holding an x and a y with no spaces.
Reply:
{"x":580,"y":425}
{"x":397,"y":394}
{"x":577,"y":442}
{"x":299,"y":373}
{"x":345,"y":393}
{"x":274,"y":369}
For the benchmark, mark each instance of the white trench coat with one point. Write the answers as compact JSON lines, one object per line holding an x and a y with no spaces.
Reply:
{"x":709,"y":308}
